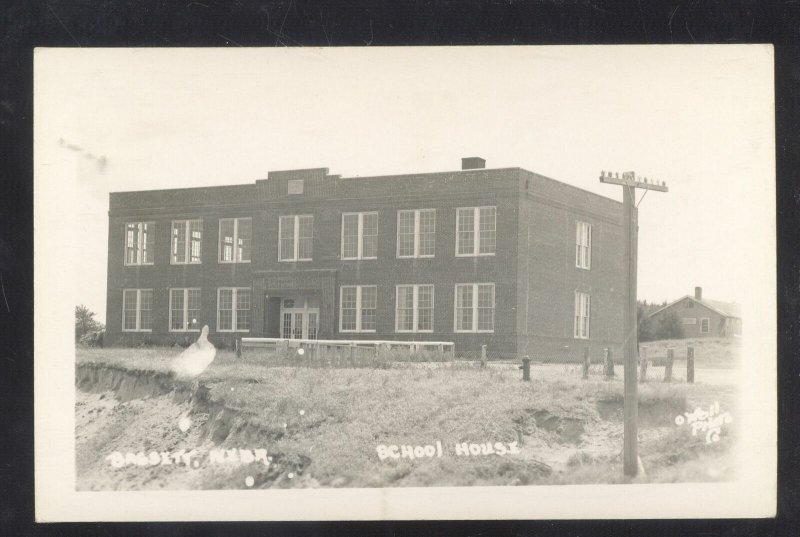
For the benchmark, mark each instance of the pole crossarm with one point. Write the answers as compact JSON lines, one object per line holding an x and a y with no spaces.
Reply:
{"x":629,"y":179}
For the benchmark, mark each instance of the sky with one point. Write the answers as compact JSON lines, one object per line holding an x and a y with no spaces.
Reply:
{"x":700,"y":118}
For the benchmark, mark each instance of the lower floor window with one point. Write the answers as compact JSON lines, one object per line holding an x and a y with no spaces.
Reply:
{"x":233,"y":309}
{"x":184,"y":309}
{"x":582,"y":311}
{"x":705,"y":325}
{"x":137,"y":310}
{"x":414,"y":308}
{"x":474,"y":307}
{"x":357,"y":305}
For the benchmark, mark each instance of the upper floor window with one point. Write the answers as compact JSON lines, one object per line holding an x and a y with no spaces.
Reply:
{"x":184,"y":310}
{"x":416,"y":233}
{"x":474,"y":308}
{"x":357,"y":305}
{"x":414,"y":308}
{"x":359,"y":235}
{"x":139,"y":239}
{"x":233,"y":309}
{"x":476,"y":231}
{"x":187,"y":237}
{"x":235,"y":238}
{"x":583,"y":245}
{"x":137,"y":310}
{"x":296,"y":238}
{"x":582,"y":315}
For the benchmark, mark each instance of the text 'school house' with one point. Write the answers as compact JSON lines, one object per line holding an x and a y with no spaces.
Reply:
{"x":502,"y":257}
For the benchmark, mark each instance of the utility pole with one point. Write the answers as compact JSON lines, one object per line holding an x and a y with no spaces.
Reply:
{"x":630,"y":183}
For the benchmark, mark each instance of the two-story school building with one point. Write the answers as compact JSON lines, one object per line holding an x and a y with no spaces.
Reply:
{"x":503,"y":257}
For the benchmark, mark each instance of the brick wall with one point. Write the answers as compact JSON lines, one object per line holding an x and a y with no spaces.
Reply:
{"x":549,"y":212}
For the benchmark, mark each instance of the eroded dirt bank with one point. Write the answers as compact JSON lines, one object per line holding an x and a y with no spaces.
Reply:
{"x":140,"y":430}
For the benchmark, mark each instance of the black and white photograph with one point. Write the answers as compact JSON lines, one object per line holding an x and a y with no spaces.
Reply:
{"x":405,"y":283}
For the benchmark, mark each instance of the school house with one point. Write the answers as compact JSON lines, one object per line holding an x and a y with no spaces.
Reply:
{"x":522,"y":263}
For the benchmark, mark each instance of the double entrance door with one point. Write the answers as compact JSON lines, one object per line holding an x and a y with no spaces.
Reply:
{"x":299,"y":317}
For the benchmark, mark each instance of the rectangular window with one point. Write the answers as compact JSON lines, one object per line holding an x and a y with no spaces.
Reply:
{"x":187,"y":238}
{"x":416,"y":233}
{"x":705,"y":323}
{"x":688,"y":320}
{"x":233,"y":309}
{"x":474,"y":307}
{"x":139,"y":239}
{"x":583,"y":245}
{"x":582,"y":315}
{"x":295,"y":237}
{"x":235,"y":238}
{"x":184,"y":310}
{"x":414,"y":308}
{"x":359,"y":235}
{"x":476,"y":231}
{"x":357,"y":305}
{"x":137,"y":310}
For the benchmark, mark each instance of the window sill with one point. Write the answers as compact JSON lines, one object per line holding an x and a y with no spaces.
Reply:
{"x":476,"y":255}
{"x":230,"y":262}
{"x":133,"y":330}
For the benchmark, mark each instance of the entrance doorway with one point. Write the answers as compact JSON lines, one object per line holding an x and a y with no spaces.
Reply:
{"x":299,"y":317}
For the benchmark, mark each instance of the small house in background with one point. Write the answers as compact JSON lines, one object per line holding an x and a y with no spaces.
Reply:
{"x":701,"y":317}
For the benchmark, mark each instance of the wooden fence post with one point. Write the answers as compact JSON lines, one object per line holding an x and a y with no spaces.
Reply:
{"x":441,"y":352}
{"x":609,"y":362}
{"x":526,"y":369}
{"x":352,"y":353}
{"x":483,"y":355}
{"x":585,"y":362}
{"x":690,"y":364}
{"x":643,"y":365}
{"x":668,"y":365}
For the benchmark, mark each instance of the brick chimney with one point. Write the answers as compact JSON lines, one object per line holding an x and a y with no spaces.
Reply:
{"x":472,"y":163}
{"x":698,"y":293}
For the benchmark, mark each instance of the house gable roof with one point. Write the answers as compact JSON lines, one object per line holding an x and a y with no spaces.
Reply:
{"x":726,"y":309}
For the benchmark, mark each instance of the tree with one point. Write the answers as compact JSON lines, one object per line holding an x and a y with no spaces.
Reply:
{"x":85,"y":322}
{"x":646,"y":328}
{"x":669,"y":327}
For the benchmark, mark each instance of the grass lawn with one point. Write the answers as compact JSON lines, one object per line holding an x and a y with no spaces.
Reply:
{"x":325,"y":424}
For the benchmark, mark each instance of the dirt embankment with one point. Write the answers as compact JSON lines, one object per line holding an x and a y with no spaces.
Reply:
{"x":136,"y":430}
